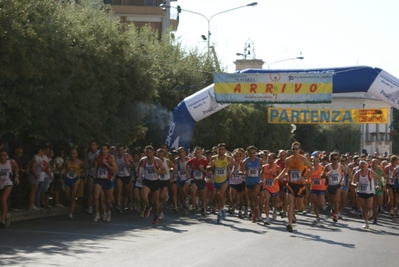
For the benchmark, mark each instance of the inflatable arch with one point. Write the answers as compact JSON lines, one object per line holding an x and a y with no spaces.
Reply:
{"x":202,"y":104}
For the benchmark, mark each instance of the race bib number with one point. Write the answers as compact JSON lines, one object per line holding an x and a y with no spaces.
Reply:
{"x":236,"y":175}
{"x":182,"y":172}
{"x":363,"y":188}
{"x":295,"y":175}
{"x":253,"y":172}
{"x":316,"y":181}
{"x":3,"y":173}
{"x":162,"y":176}
{"x":197,"y":174}
{"x":220,"y":172}
{"x":334,"y":178}
{"x":122,"y":168}
{"x":269,"y":182}
{"x":102,"y":173}
{"x":71,"y":174}
{"x":150,"y":170}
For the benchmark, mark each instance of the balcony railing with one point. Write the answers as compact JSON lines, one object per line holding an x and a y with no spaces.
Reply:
{"x":154,"y":3}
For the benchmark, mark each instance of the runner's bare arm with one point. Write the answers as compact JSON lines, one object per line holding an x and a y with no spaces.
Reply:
{"x":161,"y":168}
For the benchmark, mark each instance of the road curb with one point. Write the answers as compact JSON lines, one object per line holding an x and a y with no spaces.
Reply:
{"x":24,"y":215}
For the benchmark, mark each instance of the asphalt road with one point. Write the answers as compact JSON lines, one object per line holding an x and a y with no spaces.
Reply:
{"x":129,"y":240}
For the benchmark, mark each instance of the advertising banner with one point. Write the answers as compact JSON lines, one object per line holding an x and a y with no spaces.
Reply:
{"x":202,"y":104}
{"x":282,"y":88}
{"x":386,"y":88}
{"x":327,"y":116}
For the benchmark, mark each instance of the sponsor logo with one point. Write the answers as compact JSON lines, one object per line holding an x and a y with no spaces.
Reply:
{"x":171,"y":130}
{"x":392,"y":97}
{"x":213,"y":105}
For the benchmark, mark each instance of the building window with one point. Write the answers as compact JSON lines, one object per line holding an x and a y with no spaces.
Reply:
{"x":382,"y":136}
{"x":372,"y":137}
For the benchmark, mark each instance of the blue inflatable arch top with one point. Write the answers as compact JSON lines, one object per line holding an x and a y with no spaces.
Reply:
{"x":202,"y":104}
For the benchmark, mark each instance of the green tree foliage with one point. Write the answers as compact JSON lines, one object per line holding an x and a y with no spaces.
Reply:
{"x":241,"y":125}
{"x":344,"y":138}
{"x":67,"y":72}
{"x":178,"y":72}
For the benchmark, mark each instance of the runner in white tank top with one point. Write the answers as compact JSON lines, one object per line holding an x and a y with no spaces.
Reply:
{"x":123,"y":178}
{"x":164,"y":181}
{"x":363,"y":181}
{"x":8,"y":167}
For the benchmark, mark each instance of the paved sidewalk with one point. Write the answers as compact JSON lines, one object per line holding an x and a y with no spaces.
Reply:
{"x":24,"y":215}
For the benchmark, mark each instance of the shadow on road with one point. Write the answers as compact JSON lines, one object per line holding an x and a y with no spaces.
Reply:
{"x":81,"y":236}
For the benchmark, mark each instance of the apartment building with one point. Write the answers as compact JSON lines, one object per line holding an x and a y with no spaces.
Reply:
{"x":145,"y":12}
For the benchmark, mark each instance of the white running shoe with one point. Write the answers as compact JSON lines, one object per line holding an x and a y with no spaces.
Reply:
{"x":370,"y":213}
{"x":108,"y":216}
{"x":274,"y":214}
{"x":33,"y":208}
{"x":8,"y":220}
{"x":267,"y":221}
{"x":70,"y":216}
{"x":104,"y":216}
{"x":96,"y":217}
{"x":89,"y":210}
{"x":161,"y":216}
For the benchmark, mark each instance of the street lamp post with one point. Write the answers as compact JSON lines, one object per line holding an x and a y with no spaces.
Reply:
{"x":164,"y":6}
{"x":245,"y":55}
{"x":268,"y":65}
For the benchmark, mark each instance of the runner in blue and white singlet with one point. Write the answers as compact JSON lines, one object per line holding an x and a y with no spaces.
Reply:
{"x":183,"y":183}
{"x":251,"y":167}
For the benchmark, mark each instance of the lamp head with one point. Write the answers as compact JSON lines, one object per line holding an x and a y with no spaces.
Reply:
{"x":164,"y":6}
{"x":253,"y":4}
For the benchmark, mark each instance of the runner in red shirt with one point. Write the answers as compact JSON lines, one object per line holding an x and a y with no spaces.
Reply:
{"x":196,"y":169}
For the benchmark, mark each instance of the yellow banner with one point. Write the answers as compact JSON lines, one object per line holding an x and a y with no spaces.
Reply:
{"x":273,"y":87}
{"x":327,"y":116}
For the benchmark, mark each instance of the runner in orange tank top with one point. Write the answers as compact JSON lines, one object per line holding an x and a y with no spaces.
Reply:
{"x":295,"y":169}
{"x":270,"y":170}
{"x":317,"y":188}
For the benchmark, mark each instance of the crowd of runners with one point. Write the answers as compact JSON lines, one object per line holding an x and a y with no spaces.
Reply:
{"x":256,"y":184}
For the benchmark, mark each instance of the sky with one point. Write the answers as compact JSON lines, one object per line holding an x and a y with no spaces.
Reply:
{"x":337,"y":33}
